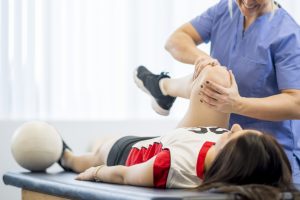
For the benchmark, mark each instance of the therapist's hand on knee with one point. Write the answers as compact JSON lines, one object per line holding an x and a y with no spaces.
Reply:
{"x":203,"y":62}
{"x":220,"y":98}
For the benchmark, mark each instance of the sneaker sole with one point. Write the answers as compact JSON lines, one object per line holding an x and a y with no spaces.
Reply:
{"x":155,"y":106}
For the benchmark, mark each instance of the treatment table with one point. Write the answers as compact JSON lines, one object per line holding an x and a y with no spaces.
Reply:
{"x":62,"y":186}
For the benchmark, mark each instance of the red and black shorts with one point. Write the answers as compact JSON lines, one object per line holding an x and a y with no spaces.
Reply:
{"x":120,"y":150}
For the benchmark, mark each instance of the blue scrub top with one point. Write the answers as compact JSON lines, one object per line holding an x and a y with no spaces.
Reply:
{"x":265,"y":59}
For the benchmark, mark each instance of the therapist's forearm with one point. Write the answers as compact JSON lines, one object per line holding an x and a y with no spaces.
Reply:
{"x":274,"y":108}
{"x":183,"y":48}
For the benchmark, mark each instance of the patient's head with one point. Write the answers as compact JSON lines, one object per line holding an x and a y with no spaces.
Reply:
{"x":249,"y":157}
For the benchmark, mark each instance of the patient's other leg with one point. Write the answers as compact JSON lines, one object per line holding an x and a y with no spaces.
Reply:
{"x":79,"y":163}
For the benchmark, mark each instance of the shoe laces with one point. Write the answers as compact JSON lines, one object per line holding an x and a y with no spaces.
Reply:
{"x":163,"y":74}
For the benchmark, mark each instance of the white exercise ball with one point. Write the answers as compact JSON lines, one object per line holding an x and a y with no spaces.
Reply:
{"x":36,"y":145}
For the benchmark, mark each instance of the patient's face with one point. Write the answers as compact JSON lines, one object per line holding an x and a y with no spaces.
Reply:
{"x":236,"y":131}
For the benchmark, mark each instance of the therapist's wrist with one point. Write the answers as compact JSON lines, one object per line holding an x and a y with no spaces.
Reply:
{"x":203,"y":58}
{"x":239,"y":105}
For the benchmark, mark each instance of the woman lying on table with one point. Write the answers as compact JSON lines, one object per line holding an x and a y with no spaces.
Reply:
{"x":199,"y":152}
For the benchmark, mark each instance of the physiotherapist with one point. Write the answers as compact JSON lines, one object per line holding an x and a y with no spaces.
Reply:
{"x":260,"y":43}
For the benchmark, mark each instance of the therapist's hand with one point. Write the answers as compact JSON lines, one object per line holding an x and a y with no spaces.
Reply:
{"x":203,"y":62}
{"x":220,"y":98}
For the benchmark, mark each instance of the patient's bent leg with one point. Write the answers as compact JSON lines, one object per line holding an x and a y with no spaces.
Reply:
{"x":177,"y":87}
{"x":199,"y":114}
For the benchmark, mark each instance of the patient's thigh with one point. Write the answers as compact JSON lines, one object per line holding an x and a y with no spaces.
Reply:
{"x":102,"y":147}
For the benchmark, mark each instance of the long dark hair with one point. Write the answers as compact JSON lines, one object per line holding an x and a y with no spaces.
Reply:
{"x":251,"y":162}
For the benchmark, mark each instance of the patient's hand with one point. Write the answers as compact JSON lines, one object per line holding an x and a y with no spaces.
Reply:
{"x":87,"y":175}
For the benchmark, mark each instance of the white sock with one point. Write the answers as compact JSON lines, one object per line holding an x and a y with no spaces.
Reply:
{"x":161,"y":86}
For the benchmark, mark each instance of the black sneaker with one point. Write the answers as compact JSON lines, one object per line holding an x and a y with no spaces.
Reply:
{"x":149,"y":83}
{"x":65,"y":146}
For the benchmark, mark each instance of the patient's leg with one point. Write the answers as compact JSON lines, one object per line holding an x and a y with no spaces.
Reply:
{"x":79,"y":163}
{"x":198,"y":114}
{"x":177,"y":87}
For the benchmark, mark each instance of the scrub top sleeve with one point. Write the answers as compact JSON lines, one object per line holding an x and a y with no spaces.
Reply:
{"x":287,"y":62}
{"x":204,"y":22}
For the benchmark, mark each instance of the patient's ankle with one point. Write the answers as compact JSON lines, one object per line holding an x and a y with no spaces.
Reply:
{"x":162,"y":86}
{"x":66,"y":159}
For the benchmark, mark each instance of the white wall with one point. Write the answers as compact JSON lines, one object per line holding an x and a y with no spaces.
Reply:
{"x":78,"y":135}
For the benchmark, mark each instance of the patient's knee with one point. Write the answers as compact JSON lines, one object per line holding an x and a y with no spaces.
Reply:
{"x":217,"y":74}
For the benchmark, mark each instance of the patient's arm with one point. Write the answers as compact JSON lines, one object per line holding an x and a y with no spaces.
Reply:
{"x":139,"y":174}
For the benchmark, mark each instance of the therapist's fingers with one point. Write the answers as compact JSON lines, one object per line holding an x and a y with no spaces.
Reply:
{"x":197,"y":71}
{"x":208,"y":100}
{"x":232,"y":78}
{"x":207,"y":61}
{"x":211,"y":62}
{"x":201,"y":63}
{"x":216,"y":87}
{"x":208,"y":104}
{"x":212,"y":94}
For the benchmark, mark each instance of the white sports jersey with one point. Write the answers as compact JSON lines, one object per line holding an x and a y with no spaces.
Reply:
{"x":180,"y":155}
